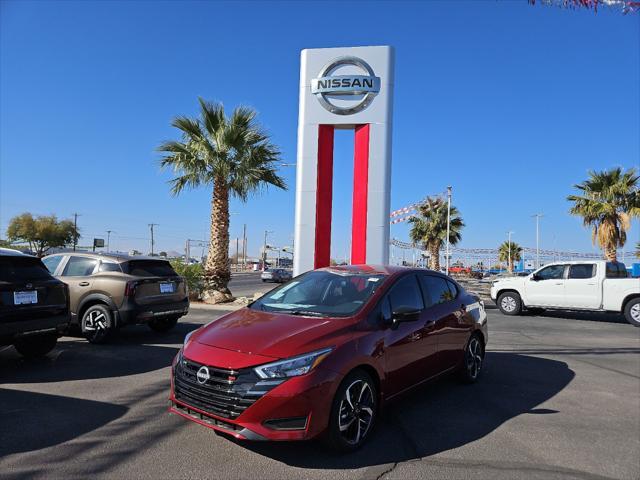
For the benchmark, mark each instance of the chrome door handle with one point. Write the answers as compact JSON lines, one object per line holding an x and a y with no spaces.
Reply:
{"x":84,"y":284}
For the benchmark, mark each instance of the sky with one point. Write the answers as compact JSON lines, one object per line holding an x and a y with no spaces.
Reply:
{"x":509,"y":103}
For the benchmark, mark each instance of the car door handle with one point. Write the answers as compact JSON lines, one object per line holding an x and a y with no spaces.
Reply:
{"x":84,"y":284}
{"x":558,"y":283}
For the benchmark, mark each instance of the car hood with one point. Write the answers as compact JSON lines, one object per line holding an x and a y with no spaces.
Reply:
{"x":274,"y":335}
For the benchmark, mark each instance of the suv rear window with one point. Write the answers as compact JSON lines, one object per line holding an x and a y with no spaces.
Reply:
{"x":149,"y":268}
{"x":22,"y":269}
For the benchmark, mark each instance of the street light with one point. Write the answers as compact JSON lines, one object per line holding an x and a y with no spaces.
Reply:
{"x":538,"y":216}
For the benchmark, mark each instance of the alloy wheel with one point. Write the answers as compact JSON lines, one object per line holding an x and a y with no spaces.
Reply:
{"x":95,"y":320}
{"x":355,"y":416}
{"x":474,"y":357}
{"x":635,"y":312}
{"x":508,"y":304}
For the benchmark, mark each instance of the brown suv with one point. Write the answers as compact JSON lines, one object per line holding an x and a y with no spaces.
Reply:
{"x":108,"y":291}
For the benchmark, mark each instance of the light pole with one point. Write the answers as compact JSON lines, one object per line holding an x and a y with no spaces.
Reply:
{"x":538,"y":216}
{"x":509,"y":252}
{"x":109,"y":232}
{"x":264,"y":250}
{"x":448,"y":223}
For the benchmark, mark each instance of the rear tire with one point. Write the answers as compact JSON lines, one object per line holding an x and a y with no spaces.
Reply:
{"x":162,"y":325}
{"x":97,"y":324}
{"x":473,"y":359}
{"x":510,"y":303}
{"x":353,"y":413}
{"x":35,"y":346}
{"x":632,"y":312}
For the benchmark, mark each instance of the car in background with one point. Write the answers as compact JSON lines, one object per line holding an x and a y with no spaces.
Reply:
{"x":109,"y":291}
{"x":577,"y":285}
{"x":278,"y":275}
{"x":320,"y":355}
{"x":34,"y":306}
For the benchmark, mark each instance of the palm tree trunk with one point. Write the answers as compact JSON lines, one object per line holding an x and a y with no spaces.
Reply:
{"x":216,"y":269}
{"x":434,"y":252}
{"x":611,"y":253}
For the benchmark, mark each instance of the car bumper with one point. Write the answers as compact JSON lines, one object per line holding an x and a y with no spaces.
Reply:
{"x":134,"y":313}
{"x":307,"y":399}
{"x":51,"y":324}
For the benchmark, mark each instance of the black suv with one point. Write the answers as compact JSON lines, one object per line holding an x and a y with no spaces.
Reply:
{"x":34,"y":306}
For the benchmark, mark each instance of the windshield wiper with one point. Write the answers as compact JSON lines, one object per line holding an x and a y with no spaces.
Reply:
{"x":306,"y":313}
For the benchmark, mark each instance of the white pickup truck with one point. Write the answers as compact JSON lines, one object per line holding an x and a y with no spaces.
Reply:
{"x":579,"y":285}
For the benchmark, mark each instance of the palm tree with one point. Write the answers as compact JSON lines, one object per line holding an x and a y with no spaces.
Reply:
{"x":637,"y":252}
{"x":429,"y":228}
{"x":234,"y":157}
{"x":607,"y":202}
{"x":503,"y":254}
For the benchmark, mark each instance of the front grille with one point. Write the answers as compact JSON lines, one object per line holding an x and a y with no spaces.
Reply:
{"x":227,"y":393}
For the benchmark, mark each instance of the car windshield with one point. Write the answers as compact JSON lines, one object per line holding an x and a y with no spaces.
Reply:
{"x":149,"y":268}
{"x":323,"y":293}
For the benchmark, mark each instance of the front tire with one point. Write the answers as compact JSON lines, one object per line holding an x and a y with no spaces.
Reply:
{"x":162,"y":325}
{"x":97,"y":324}
{"x":632,"y":312}
{"x":510,"y":303}
{"x":353,"y":413}
{"x":35,"y":346}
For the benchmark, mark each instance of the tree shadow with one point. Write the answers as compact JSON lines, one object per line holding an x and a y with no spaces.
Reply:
{"x":31,"y":421}
{"x":442,"y":416}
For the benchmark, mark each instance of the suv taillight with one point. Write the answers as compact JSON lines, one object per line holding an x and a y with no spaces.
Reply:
{"x":130,"y":289}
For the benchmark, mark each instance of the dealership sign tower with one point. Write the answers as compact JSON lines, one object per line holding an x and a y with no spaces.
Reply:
{"x":344,"y":88}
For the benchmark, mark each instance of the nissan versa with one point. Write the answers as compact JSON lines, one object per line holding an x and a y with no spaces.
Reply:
{"x":319,"y":355}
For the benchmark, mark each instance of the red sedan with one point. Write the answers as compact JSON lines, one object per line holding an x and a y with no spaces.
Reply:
{"x":321,"y":354}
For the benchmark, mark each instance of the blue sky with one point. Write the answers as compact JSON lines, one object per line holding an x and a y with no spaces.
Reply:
{"x":509,"y":103}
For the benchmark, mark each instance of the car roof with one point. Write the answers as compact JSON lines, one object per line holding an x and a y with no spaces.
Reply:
{"x":117,"y":257}
{"x":378,"y":269}
{"x":10,"y":252}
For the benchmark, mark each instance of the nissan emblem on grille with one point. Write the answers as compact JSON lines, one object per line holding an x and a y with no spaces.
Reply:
{"x":203,"y":375}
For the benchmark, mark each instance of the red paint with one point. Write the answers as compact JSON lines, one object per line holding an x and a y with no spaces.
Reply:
{"x":360,"y":192}
{"x":324,"y":196}
{"x":401,"y":357}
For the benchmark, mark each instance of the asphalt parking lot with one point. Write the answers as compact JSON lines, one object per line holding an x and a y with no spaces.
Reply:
{"x":560,"y":398}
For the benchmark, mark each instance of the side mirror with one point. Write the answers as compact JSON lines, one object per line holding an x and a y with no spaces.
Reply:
{"x":535,"y":277}
{"x":405,"y":314}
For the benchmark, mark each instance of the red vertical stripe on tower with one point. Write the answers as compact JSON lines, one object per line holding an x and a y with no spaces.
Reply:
{"x":324,"y":196}
{"x":360,"y":192}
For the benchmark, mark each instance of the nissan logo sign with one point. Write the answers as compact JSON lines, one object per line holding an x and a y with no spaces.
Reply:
{"x":203,"y":375}
{"x":363,"y":88}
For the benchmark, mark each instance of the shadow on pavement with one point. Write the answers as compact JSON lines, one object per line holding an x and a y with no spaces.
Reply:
{"x":588,"y":316}
{"x":31,"y":421}
{"x":442,"y":416}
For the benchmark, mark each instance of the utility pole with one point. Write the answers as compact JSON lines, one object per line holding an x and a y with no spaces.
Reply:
{"x":237,"y":253}
{"x":151,"y":226}
{"x":264,"y":250}
{"x":109,"y":232}
{"x":75,"y":230}
{"x":538,"y":216}
{"x":509,"y":251}
{"x":244,"y":246}
{"x":448,"y":224}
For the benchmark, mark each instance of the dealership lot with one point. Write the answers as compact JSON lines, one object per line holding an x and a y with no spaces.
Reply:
{"x":560,"y":398}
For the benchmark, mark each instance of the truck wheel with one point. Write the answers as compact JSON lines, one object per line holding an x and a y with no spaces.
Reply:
{"x":35,"y":346}
{"x":510,"y":303}
{"x":162,"y":325}
{"x":97,"y":323}
{"x":632,"y":312}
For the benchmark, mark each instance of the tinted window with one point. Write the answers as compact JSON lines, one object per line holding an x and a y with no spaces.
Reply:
{"x":22,"y":269}
{"x":582,"y":270}
{"x":52,"y":263}
{"x":406,"y":293}
{"x":616,"y":270}
{"x":79,"y":267}
{"x":435,"y":289}
{"x":453,"y":288}
{"x":150,"y":268}
{"x":552,"y":272}
{"x":109,"y":267}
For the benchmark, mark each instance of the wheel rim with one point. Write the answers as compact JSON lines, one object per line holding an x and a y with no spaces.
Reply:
{"x":635,"y":312}
{"x":508,"y":304}
{"x":474,"y":357}
{"x":356,"y":412}
{"x":95,"y":321}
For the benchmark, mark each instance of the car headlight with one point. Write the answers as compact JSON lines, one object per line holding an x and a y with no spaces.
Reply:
{"x":294,"y":366}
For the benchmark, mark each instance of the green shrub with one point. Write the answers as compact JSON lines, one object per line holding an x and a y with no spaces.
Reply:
{"x":193,"y":275}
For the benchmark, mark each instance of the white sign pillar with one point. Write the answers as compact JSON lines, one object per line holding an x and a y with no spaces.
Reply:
{"x":345,"y":88}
